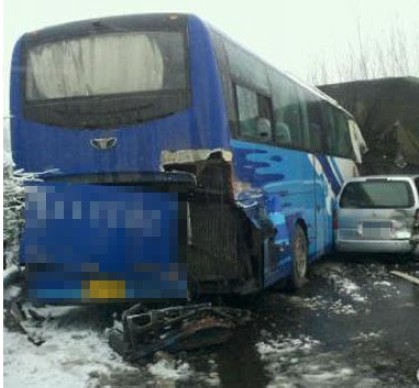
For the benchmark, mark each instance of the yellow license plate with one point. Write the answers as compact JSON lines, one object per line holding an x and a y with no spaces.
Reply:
{"x":106,"y":289}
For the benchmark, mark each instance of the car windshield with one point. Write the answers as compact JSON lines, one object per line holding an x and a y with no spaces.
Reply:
{"x":377,"y":195}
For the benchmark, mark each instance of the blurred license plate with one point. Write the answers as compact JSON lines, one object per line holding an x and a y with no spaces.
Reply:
{"x":376,"y":230}
{"x":107,"y":289}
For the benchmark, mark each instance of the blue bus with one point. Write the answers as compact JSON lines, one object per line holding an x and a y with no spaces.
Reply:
{"x":173,"y":162}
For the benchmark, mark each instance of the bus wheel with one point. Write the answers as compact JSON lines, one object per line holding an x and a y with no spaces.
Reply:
{"x":299,"y":255}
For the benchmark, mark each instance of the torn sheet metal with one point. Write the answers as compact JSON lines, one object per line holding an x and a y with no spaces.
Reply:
{"x":173,"y":329}
{"x":211,"y":167}
{"x":192,"y":156}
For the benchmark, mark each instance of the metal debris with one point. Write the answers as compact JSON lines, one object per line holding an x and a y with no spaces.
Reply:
{"x":173,"y":329}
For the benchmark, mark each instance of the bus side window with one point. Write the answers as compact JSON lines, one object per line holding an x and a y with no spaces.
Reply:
{"x":342,"y":145}
{"x":288,"y":127}
{"x":330,"y":130}
{"x":222,"y":60}
{"x":314,"y":122}
{"x":255,"y":114}
{"x":338,"y":137}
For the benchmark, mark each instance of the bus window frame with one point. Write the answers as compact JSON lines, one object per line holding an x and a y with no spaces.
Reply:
{"x":238,"y":135}
{"x":31,"y":109}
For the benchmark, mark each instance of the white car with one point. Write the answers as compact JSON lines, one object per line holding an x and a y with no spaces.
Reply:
{"x":378,"y":214}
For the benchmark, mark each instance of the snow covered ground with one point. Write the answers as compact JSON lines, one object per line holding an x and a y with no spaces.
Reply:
{"x":301,"y":362}
{"x":352,"y":326}
{"x":75,"y":354}
{"x":349,"y":297}
{"x":70,"y":357}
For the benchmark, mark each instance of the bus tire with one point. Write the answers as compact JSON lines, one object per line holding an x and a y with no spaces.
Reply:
{"x":299,"y":257}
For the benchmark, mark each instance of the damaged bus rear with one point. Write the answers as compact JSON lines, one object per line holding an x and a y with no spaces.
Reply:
{"x":168,"y":167}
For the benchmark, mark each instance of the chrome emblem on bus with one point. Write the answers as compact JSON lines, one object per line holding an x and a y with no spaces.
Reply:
{"x":104,"y":143}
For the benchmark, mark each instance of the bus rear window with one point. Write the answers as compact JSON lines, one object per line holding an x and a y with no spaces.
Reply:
{"x":377,"y":195}
{"x":106,"y":64}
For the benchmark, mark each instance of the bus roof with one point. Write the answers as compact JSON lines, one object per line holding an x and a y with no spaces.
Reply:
{"x":104,"y":22}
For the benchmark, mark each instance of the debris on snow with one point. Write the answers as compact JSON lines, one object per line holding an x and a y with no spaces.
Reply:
{"x":173,"y":329}
{"x":406,"y":276}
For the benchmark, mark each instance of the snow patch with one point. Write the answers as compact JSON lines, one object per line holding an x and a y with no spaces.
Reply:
{"x":324,"y":377}
{"x":382,"y":283}
{"x":368,"y":336}
{"x":10,"y":271}
{"x":300,"y":362}
{"x":284,"y":346}
{"x":347,"y":288}
{"x":386,"y":288}
{"x":340,"y":308}
{"x":170,"y":369}
{"x":69,"y":357}
{"x":74,"y":355}
{"x":12,"y":292}
{"x":319,"y":303}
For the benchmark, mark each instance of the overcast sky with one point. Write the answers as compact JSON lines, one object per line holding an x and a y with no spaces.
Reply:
{"x":294,"y":36}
